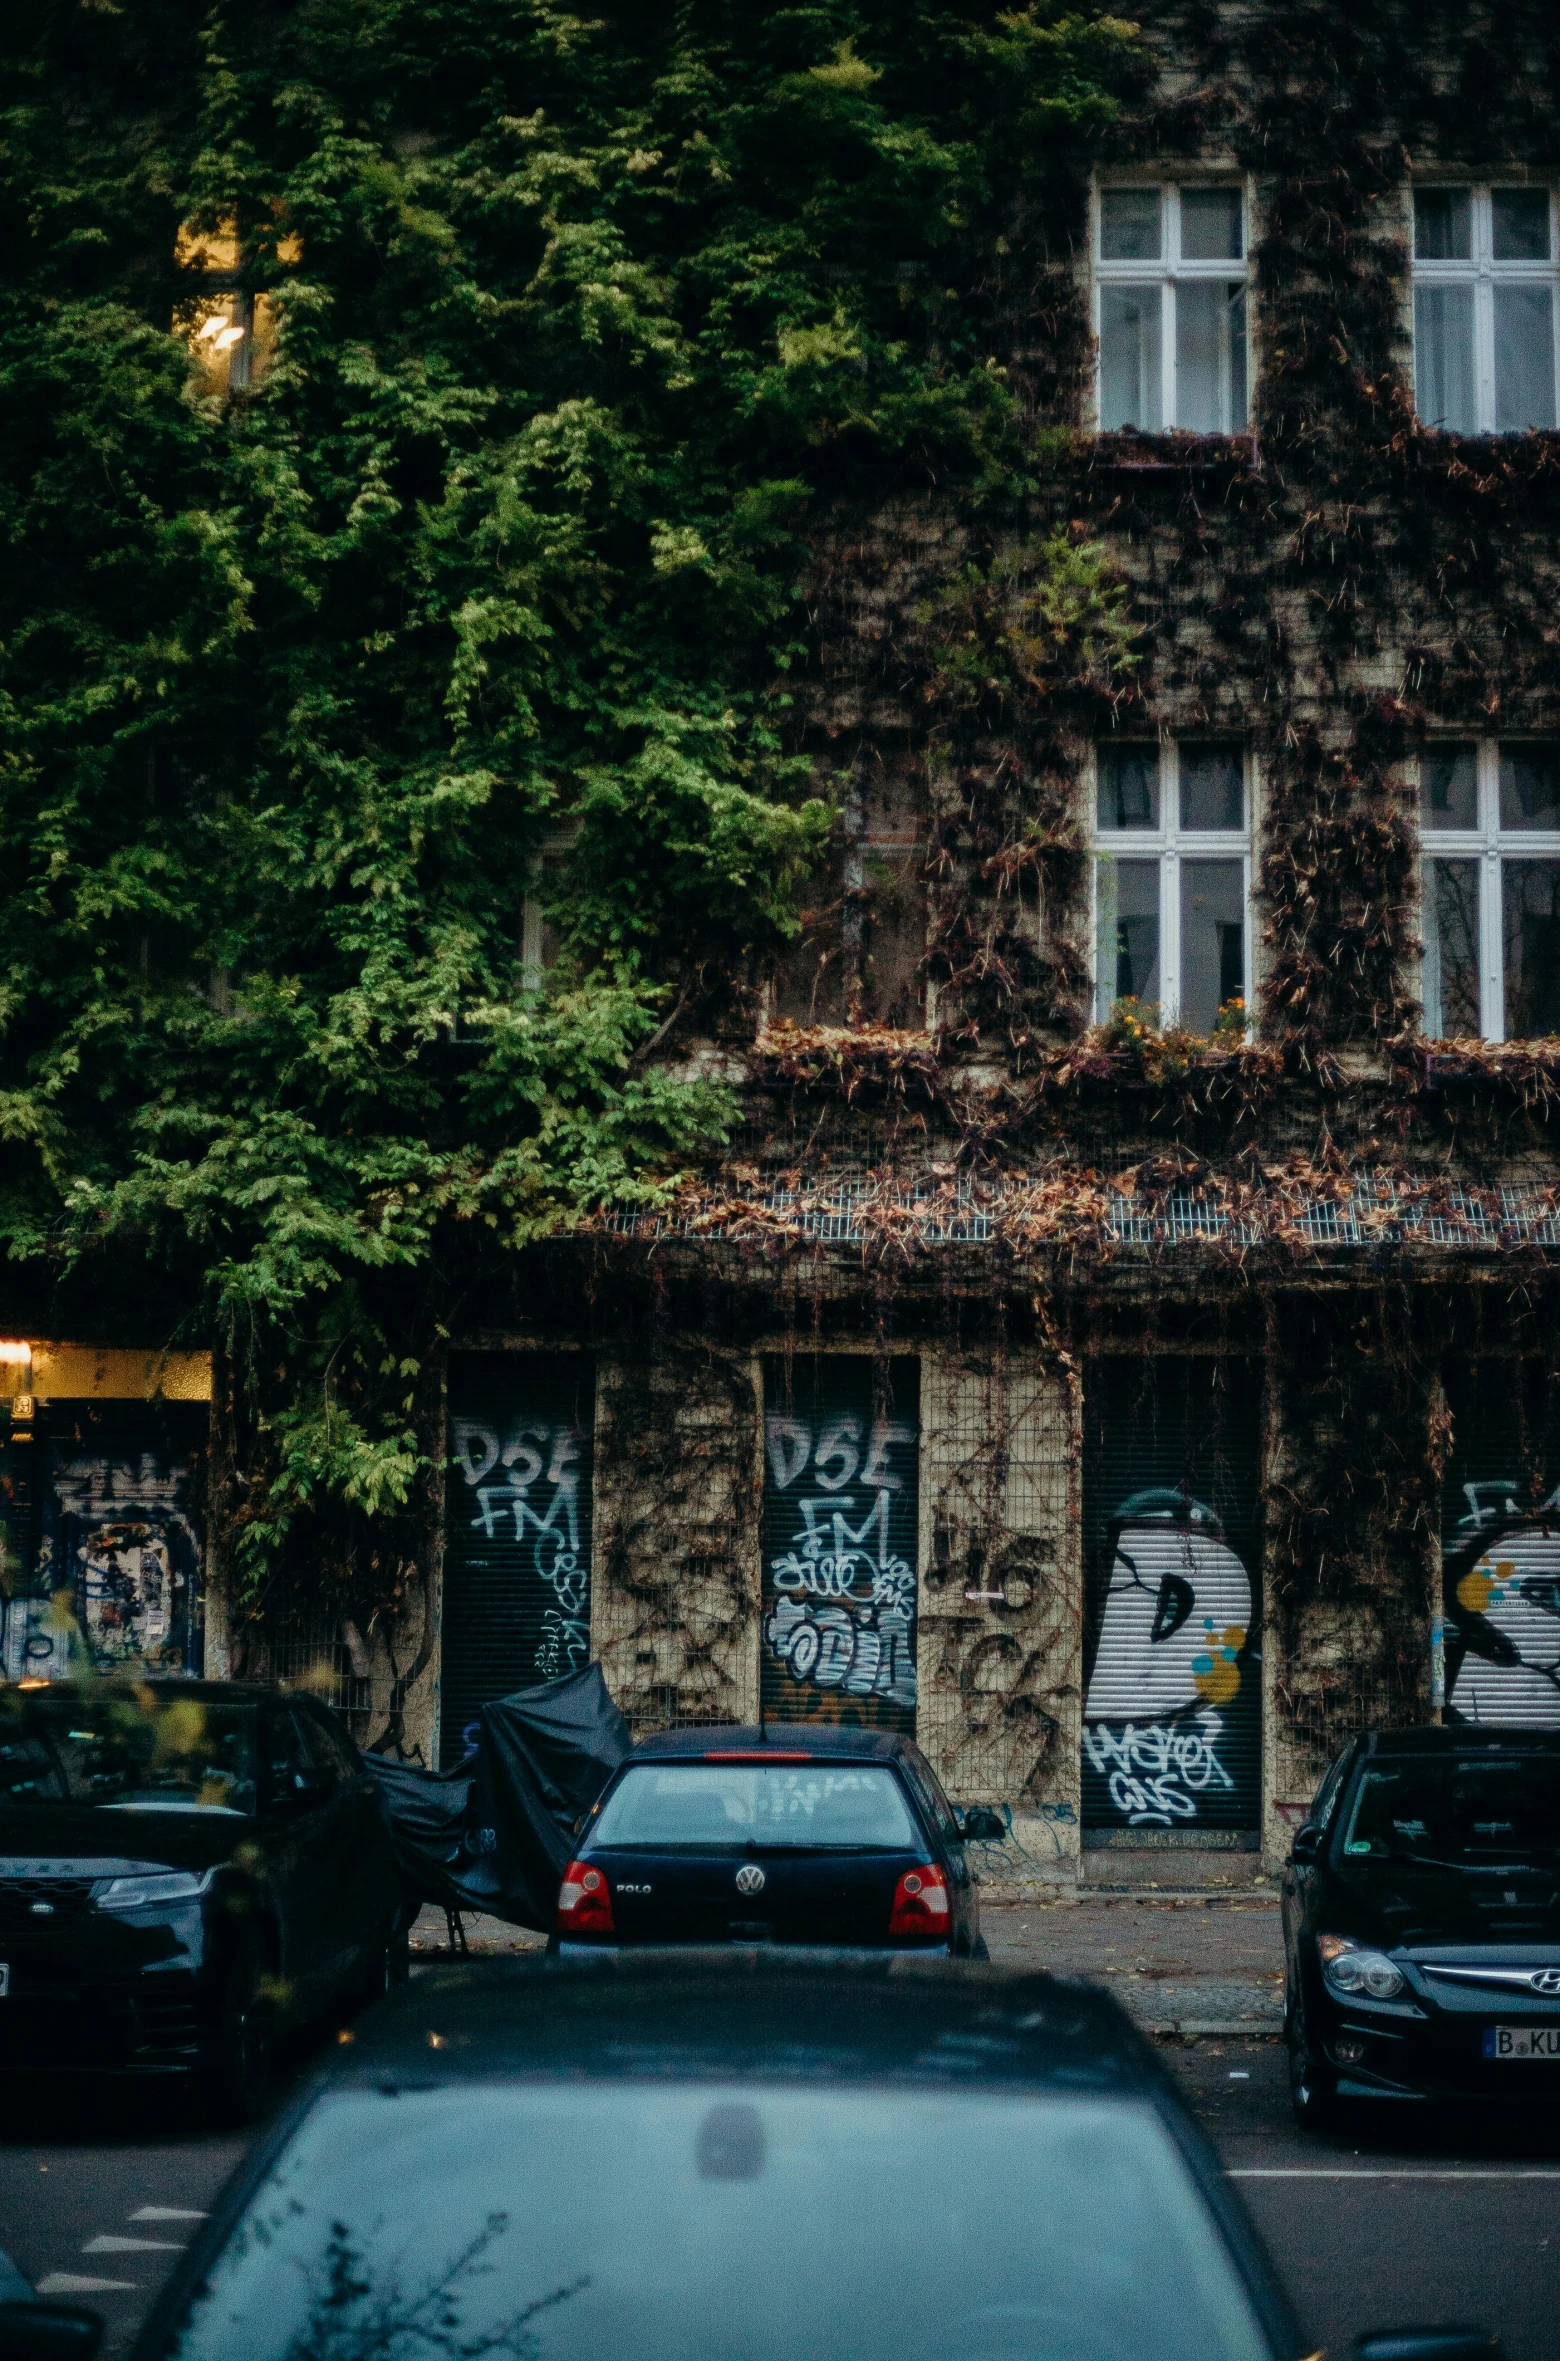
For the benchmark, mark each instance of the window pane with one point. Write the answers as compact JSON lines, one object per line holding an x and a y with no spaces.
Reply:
{"x":1131,"y":343}
{"x":1451,"y":925}
{"x":1128,"y":956}
{"x":1128,"y":786}
{"x":1524,"y":358}
{"x":1210,"y":317}
{"x":1521,"y":224}
{"x":1449,"y":787}
{"x":1443,"y":358}
{"x":1529,"y":787}
{"x":1212,"y":787}
{"x":1443,"y":225}
{"x":1211,"y":229}
{"x":1129,"y":225}
{"x":1213,"y":940}
{"x":1530,"y":910}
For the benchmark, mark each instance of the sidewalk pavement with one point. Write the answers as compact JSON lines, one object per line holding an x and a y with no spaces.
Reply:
{"x":1179,"y":1964}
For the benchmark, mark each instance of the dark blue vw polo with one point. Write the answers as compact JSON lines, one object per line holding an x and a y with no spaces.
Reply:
{"x":787,"y":1835}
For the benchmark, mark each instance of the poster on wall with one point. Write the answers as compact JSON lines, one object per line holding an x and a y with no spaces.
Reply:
{"x":1172,"y":1708}
{"x":517,"y":1532}
{"x":109,"y":1578}
{"x":1500,"y":1544}
{"x":840,"y":1540}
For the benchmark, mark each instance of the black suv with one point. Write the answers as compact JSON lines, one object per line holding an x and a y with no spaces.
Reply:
{"x":187,"y":1868}
{"x":788,"y":1835}
{"x":1422,"y":1921}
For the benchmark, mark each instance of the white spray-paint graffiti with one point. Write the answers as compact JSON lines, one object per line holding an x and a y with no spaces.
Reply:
{"x":1503,"y":1609}
{"x":535,"y":1502}
{"x":116,"y":1574}
{"x":842,"y":1615}
{"x":1177,"y":1615}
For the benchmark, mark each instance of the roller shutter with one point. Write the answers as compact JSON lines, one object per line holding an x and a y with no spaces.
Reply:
{"x":109,"y":1548}
{"x":1172,"y":1700}
{"x":518,"y":1530}
{"x":1500,"y":1538}
{"x":840,"y":1540}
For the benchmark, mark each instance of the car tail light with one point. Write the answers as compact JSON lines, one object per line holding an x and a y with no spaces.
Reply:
{"x":584,"y":1902}
{"x":920,"y":1903}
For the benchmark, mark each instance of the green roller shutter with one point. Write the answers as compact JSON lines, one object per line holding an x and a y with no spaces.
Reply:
{"x":840,"y":1540}
{"x":517,"y":1535}
{"x":1172,"y":1705}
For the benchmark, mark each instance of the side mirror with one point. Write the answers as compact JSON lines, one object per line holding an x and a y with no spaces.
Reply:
{"x":307,"y":1792}
{"x":36,"y":2331}
{"x":979,"y":1824}
{"x":1427,"y":2344}
{"x":1308,"y":1843}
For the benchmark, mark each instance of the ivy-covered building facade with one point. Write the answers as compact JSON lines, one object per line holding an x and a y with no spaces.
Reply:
{"x":1120,"y":1340}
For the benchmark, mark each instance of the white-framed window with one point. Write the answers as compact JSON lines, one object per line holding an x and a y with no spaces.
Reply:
{"x":1173,"y":880}
{"x":1486,"y":284}
{"x":1489,"y":827}
{"x":1170,"y":308}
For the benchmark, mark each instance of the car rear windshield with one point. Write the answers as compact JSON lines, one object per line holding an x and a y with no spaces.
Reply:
{"x":698,"y":2222}
{"x":139,"y":1750}
{"x":855,"y":1807}
{"x":1455,"y":1809}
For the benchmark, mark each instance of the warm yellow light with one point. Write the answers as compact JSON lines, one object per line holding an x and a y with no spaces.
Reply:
{"x":228,"y":338}
{"x":32,"y":1684}
{"x":212,"y":327}
{"x":15,"y":1351}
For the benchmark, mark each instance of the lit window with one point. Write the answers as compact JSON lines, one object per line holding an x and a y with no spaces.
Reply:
{"x":1174,"y":882}
{"x":1485,"y":285}
{"x":1489,"y":819}
{"x":1171,"y":309}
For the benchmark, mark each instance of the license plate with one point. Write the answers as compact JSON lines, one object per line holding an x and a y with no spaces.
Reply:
{"x":1522,"y":2041}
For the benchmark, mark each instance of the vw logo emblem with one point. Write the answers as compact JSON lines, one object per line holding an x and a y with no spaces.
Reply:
{"x":750,"y":1880}
{"x":1546,"y":1980}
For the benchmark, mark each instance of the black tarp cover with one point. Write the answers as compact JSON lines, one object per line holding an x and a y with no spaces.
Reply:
{"x":494,"y":1833}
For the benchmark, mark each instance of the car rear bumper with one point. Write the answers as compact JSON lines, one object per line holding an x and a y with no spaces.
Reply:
{"x":571,"y":1947}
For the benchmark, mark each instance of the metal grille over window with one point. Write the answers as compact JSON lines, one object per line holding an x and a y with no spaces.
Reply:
{"x":517,"y":1550}
{"x":1173,"y":883}
{"x":1490,"y":831}
{"x":1171,"y":294}
{"x":1172,"y":1707}
{"x":1485,"y":289}
{"x":840,"y":1540}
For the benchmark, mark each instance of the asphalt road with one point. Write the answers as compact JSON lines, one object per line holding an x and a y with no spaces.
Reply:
{"x":1395,"y":2225}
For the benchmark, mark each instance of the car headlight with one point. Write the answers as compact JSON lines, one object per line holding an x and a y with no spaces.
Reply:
{"x":1356,"y":1973}
{"x":166,"y":1885}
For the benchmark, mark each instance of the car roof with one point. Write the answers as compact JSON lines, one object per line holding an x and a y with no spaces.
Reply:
{"x":160,"y":1684}
{"x":759,"y":2011}
{"x":779,"y":1738}
{"x":1463,"y":1738}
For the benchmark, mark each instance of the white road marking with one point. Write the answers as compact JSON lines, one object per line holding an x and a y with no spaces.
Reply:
{"x":69,"y":2283}
{"x":167,"y":2213}
{"x":115,"y":2244}
{"x":1355,"y":2172}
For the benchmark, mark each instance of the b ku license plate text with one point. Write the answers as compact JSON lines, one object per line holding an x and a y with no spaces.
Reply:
{"x":1522,"y":2041}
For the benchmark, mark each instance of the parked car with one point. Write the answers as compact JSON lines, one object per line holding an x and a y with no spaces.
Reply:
{"x":1421,"y":1913}
{"x":734,"y":2157}
{"x":187,"y":1869}
{"x":801,"y":1835}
